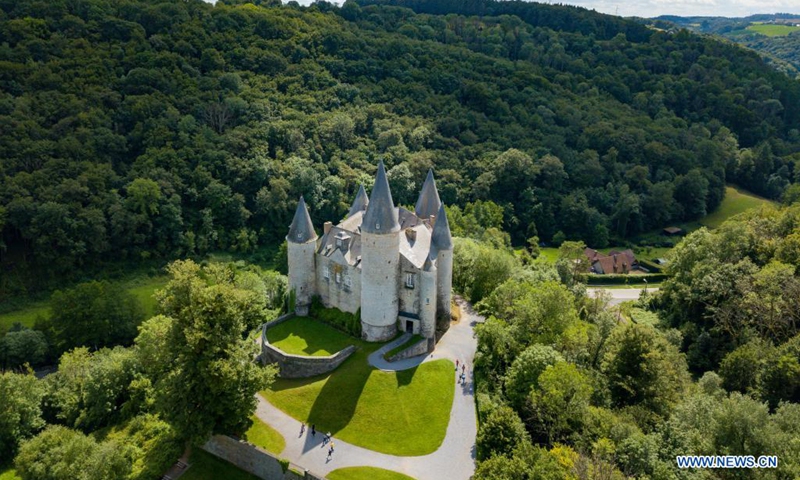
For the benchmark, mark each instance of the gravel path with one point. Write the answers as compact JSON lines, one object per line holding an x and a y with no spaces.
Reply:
{"x":455,"y":458}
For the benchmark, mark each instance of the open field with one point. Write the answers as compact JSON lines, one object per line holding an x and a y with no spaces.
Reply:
{"x":366,"y":473}
{"x":772,"y":30}
{"x":265,"y":437}
{"x":141,"y":287}
{"x":205,"y":466}
{"x":399,"y":413}
{"x":736,"y":201}
{"x":306,"y":336}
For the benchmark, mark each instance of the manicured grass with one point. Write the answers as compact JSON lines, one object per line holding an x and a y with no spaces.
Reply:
{"x":7,"y":472}
{"x":411,"y":341}
{"x":306,"y":336}
{"x":399,"y":413}
{"x":366,"y":473}
{"x":773,"y":30}
{"x":736,"y":201}
{"x":208,"y":467}
{"x":142,"y":288}
{"x":265,"y":437}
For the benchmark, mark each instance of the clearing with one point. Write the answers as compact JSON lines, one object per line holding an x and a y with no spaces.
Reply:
{"x":307,"y":336}
{"x":735,"y":202}
{"x":772,"y":30}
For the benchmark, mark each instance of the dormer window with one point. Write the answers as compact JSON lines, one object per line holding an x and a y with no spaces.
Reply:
{"x":326,"y":272}
{"x":409,"y":280}
{"x":338,"y":243}
{"x":338,"y":277}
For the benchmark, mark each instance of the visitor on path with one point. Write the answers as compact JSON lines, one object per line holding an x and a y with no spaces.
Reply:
{"x":313,"y":430}
{"x":456,"y":364}
{"x":302,"y":429}
{"x":330,"y":452}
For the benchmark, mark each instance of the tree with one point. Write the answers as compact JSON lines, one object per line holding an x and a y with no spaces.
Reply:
{"x":94,"y":314}
{"x":524,"y":372}
{"x":573,"y":265}
{"x":21,"y":347}
{"x":501,"y":432}
{"x":20,"y":410}
{"x":210,"y":379}
{"x":561,"y":401}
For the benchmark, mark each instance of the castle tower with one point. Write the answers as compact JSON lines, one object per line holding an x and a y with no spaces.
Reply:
{"x":359,"y":203}
{"x":380,"y":258}
{"x":301,"y":244}
{"x":428,"y":298}
{"x":428,"y":202}
{"x":442,"y":248}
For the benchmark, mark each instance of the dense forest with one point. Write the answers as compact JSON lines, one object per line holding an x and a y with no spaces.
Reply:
{"x":709,"y":365}
{"x":149,"y":129}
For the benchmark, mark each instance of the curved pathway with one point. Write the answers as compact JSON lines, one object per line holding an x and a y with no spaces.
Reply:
{"x":455,"y":458}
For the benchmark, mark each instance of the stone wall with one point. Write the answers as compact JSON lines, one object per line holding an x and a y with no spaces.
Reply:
{"x":299,"y":366}
{"x":254,"y":460}
{"x":422,"y":347}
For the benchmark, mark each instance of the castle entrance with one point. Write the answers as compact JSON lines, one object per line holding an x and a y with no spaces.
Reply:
{"x":409,"y":326}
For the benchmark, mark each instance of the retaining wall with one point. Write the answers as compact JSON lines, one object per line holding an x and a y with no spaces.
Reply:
{"x":422,"y":347}
{"x":299,"y":366}
{"x":254,"y":460}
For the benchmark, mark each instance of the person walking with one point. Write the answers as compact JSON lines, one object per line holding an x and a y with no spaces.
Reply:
{"x":456,"y":364}
{"x":302,"y":429}
{"x":313,"y":430}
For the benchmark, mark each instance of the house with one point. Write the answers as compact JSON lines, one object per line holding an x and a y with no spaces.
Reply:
{"x":393,"y":265}
{"x":672,"y":231}
{"x":616,"y":262}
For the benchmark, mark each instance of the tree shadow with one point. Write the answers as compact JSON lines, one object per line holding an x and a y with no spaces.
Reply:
{"x":404,"y":377}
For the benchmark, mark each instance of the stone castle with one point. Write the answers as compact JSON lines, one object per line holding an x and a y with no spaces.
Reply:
{"x":395,"y":265}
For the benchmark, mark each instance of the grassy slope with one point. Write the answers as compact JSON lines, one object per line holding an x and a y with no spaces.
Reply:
{"x":736,"y":201}
{"x":306,"y":336}
{"x":773,"y":30}
{"x":400,"y":413}
{"x":366,"y":473}
{"x":265,"y":437}
{"x":142,"y":288}
{"x":208,"y":467}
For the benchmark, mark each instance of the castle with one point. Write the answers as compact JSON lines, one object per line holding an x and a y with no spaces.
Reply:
{"x":395,"y":265}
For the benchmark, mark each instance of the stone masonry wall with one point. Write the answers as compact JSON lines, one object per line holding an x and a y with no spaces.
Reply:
{"x":254,"y":460}
{"x":299,"y":366}
{"x":422,"y":347}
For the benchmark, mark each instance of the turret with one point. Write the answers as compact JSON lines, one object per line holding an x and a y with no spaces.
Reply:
{"x":360,"y":203}
{"x":442,"y":250}
{"x":428,"y":298}
{"x":380,"y":258}
{"x":301,"y":245}
{"x":428,"y":202}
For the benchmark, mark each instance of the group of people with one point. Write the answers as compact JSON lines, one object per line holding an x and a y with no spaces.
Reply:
{"x":326,"y":438}
{"x":462,"y":378}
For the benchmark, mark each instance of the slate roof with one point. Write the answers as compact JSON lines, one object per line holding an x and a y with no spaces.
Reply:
{"x":441,"y":238}
{"x":428,"y":202}
{"x":301,"y":230}
{"x":381,"y":216}
{"x":359,"y":203}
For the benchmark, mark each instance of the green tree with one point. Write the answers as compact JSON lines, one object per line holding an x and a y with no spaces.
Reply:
{"x":501,"y":432}
{"x":523,"y":374}
{"x":20,"y":410}
{"x":23,"y":346}
{"x":561,"y":401}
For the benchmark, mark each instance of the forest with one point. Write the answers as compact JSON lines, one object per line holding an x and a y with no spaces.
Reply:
{"x":146,"y":130}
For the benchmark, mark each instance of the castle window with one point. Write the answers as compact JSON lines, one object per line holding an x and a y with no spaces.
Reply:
{"x":377,"y":226}
{"x":409,"y":280}
{"x":348,"y":282}
{"x":326,"y":272}
{"x":338,"y":243}
{"x":338,"y":277}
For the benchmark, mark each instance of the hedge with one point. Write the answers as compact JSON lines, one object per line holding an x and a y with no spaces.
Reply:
{"x":618,"y":279}
{"x":346,"y":322}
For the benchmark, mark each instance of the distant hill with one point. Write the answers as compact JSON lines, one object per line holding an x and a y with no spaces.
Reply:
{"x":776,"y":37}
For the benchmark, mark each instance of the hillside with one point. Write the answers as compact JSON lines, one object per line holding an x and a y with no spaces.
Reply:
{"x":149,"y":129}
{"x":776,"y":37}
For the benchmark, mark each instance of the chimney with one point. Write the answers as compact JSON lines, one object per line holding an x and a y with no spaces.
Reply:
{"x":326,"y":227}
{"x":432,"y":220}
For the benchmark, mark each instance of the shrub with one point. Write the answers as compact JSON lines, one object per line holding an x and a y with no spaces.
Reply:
{"x":349,"y":323}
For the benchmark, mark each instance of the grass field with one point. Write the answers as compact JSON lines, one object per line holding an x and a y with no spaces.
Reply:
{"x":306,"y":336}
{"x":399,"y":413}
{"x":141,"y":287}
{"x":772,"y":30}
{"x":205,"y":466}
{"x":366,"y":473}
{"x":265,"y":437}
{"x":736,"y":201}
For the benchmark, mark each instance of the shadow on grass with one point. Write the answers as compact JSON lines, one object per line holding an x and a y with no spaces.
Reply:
{"x":404,"y":377}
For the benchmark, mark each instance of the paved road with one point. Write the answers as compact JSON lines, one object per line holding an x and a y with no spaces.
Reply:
{"x":619,"y":295}
{"x":455,"y":458}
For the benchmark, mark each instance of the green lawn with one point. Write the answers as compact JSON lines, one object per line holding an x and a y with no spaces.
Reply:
{"x":366,"y":473}
{"x":265,"y":437}
{"x":548,"y":254}
{"x":142,"y":288}
{"x":7,"y":472}
{"x":306,"y":336}
{"x":399,"y":413}
{"x":205,"y":466}
{"x":772,"y":30}
{"x":735,"y":202}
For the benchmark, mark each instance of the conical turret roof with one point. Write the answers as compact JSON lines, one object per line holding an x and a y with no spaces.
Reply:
{"x":360,"y":203}
{"x":428,"y":202}
{"x":441,"y":238}
{"x":301,"y":230}
{"x":381,"y":216}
